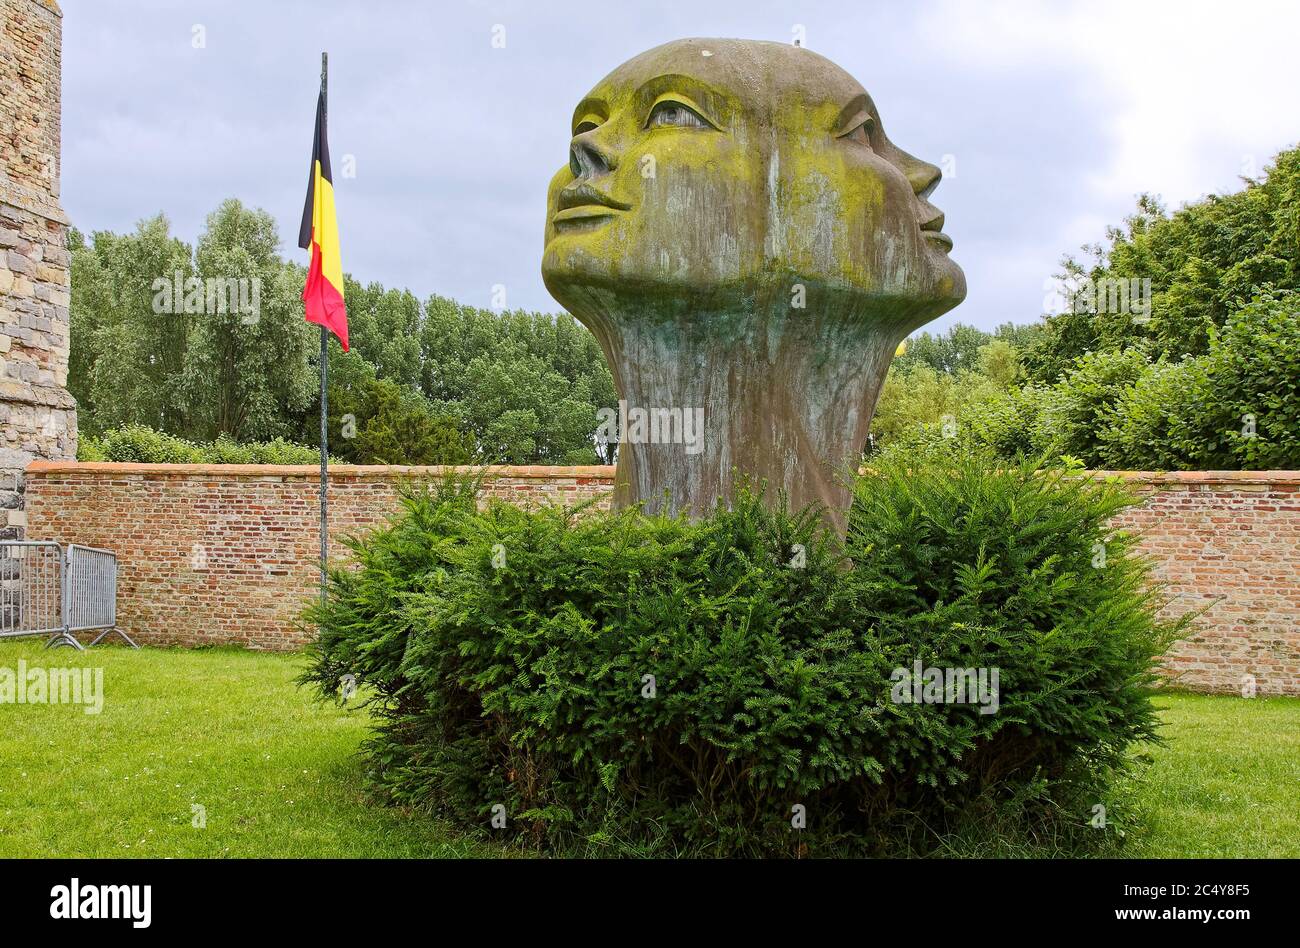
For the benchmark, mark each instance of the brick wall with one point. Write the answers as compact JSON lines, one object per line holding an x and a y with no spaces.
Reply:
{"x":219,"y":554}
{"x":1229,"y":540}
{"x":227,"y":554}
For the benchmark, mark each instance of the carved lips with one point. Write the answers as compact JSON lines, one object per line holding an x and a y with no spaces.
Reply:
{"x":933,"y":230}
{"x":581,"y":201}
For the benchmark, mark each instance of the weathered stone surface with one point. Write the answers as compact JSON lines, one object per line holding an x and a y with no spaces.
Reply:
{"x":749,"y":247}
{"x":37,"y":415}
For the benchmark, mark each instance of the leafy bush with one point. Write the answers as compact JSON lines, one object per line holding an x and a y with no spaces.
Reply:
{"x":1115,"y":410}
{"x":145,"y":446}
{"x":1197,"y":413}
{"x":1254,"y":369}
{"x":1147,"y":427}
{"x":391,"y":423}
{"x":1082,"y":404}
{"x":508,"y":655}
{"x":1118,"y":410}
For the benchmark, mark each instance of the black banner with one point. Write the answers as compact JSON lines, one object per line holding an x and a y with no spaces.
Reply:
{"x":359,"y":900}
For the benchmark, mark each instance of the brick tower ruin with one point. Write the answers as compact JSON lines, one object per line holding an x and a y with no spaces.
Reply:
{"x":38,"y":418}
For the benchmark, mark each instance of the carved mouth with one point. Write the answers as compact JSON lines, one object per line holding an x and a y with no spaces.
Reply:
{"x":580,"y":203}
{"x":932,"y":230}
{"x":938,"y":237}
{"x":582,"y":194}
{"x":585,"y":213}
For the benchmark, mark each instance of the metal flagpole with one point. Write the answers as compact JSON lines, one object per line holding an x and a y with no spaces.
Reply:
{"x":324,"y":373}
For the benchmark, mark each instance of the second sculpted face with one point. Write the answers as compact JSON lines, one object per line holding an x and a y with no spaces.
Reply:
{"x":738,"y":167}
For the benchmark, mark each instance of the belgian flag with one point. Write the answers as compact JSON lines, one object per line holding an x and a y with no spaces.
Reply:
{"x":323,"y":293}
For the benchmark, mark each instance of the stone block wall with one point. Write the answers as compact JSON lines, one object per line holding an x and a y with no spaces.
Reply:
{"x":37,"y":415}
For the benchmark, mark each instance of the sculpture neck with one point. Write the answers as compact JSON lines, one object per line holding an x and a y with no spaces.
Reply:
{"x":783,"y":395}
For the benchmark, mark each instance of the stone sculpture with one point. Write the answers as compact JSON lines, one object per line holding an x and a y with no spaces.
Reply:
{"x":749,"y":248}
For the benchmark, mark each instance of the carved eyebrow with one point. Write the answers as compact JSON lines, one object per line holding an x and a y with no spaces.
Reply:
{"x":854,"y":114}
{"x":713,"y":104}
{"x":589,"y":106}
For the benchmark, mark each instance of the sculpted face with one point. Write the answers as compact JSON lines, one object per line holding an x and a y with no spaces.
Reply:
{"x":703,"y":165}
{"x":749,"y":248}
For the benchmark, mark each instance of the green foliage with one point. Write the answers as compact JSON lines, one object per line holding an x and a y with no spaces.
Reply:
{"x":1235,"y":407}
{"x":959,"y":348}
{"x":1205,"y":261}
{"x":378,"y":421}
{"x":142,"y":445}
{"x":921,"y":404}
{"x":507,"y":653}
{"x":187,"y":364}
{"x":124,"y":358}
{"x":1082,"y":403}
{"x":1238,"y":406}
{"x":431,"y":383}
{"x":247,"y":375}
{"x":526,"y":386}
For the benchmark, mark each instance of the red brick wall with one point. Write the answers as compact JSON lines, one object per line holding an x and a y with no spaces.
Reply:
{"x":1229,"y":540}
{"x":227,"y":554}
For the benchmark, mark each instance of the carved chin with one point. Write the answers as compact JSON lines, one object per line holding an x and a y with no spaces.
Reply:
{"x":952,"y":285}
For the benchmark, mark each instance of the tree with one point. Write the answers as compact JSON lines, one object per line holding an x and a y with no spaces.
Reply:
{"x":951,"y":352}
{"x":384,"y":325}
{"x":378,"y":421}
{"x":126,"y":355}
{"x":1204,"y":262}
{"x":247,"y":372}
{"x":917,"y":398}
{"x":527,"y":385}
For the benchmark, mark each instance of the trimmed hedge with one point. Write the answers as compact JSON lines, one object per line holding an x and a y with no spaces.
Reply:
{"x":623,"y":683}
{"x":143,"y":445}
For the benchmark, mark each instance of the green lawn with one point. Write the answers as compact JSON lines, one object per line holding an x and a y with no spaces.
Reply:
{"x":1227,"y":782}
{"x":278,"y":775}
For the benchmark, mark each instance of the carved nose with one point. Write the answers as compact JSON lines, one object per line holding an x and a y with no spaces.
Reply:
{"x":923,"y":176}
{"x":588,"y":158}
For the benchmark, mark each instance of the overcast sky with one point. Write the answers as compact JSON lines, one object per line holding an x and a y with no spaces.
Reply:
{"x":1055,"y":115}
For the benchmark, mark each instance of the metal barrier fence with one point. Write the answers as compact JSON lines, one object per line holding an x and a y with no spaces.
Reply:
{"x":31,"y":589}
{"x":45,"y":590}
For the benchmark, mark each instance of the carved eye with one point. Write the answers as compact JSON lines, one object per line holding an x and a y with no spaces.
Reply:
{"x":676,"y":114}
{"x":586,"y":125}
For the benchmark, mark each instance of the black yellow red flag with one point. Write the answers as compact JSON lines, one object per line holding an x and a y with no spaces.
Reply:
{"x":323,"y":294}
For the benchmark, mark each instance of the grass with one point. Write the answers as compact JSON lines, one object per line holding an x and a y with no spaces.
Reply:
{"x":278,"y":774}
{"x":1228,"y":782}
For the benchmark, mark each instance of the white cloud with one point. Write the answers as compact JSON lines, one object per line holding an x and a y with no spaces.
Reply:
{"x":1188,"y":93}
{"x":1060,"y":113}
